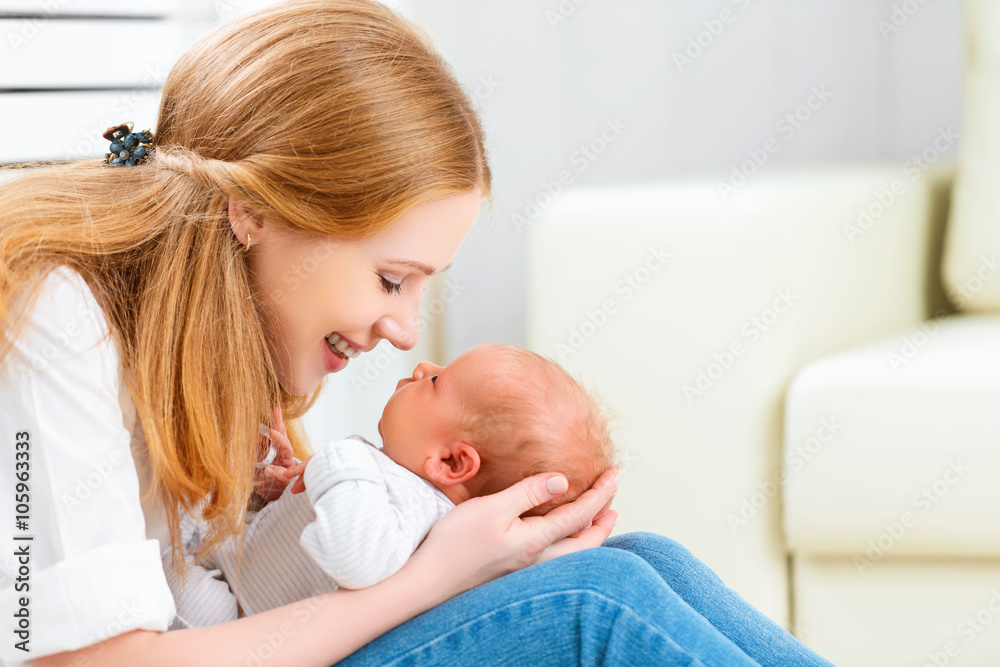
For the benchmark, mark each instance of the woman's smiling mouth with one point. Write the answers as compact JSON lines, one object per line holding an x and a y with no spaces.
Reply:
{"x":341,"y":347}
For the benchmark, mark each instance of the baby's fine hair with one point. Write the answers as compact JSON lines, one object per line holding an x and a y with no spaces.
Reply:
{"x":531,"y":417}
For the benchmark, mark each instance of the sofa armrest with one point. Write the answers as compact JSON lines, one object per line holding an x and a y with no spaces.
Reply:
{"x":691,"y":314}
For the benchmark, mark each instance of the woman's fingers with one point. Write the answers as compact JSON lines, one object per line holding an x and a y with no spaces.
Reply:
{"x":532,"y":491}
{"x":494,"y":539}
{"x":607,"y":506}
{"x":592,"y":536}
{"x":582,"y":513}
{"x":601,"y":512}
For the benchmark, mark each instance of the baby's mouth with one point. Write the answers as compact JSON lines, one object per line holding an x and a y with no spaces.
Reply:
{"x":341,"y":347}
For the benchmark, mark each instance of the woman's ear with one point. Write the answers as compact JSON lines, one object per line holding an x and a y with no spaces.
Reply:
{"x":242,"y":219}
{"x":452,"y":464}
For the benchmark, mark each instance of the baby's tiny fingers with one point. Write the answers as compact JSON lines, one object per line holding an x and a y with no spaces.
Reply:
{"x":294,"y":470}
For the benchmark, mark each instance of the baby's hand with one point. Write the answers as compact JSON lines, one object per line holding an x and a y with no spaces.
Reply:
{"x":270,"y":482}
{"x":297,"y":470}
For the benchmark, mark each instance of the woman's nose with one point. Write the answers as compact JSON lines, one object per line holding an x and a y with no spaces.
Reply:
{"x":401,"y":328}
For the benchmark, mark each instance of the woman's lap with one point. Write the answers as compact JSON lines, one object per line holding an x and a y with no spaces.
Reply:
{"x":757,"y":635}
{"x":597,"y":606}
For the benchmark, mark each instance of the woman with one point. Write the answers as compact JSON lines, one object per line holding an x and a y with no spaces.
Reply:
{"x":314,"y":163}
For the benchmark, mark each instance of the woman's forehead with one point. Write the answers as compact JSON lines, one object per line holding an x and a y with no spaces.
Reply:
{"x":430,"y":232}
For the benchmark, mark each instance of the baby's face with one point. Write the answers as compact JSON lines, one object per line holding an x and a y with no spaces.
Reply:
{"x":424,"y":411}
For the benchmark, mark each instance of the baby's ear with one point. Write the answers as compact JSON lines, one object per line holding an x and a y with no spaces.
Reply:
{"x":453,"y":464}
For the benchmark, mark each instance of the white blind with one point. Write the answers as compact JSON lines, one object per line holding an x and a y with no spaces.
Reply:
{"x":69,"y":69}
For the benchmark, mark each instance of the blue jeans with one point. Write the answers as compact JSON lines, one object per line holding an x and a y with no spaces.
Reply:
{"x":644,"y":601}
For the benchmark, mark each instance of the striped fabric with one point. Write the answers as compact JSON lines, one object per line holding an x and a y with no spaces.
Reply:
{"x":361,"y":517}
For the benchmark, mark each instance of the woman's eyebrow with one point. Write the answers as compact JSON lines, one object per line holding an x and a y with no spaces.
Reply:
{"x":413,"y":264}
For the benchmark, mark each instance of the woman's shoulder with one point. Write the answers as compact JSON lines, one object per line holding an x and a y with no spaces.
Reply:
{"x":63,"y":322}
{"x":65,"y":307}
{"x":66,"y":286}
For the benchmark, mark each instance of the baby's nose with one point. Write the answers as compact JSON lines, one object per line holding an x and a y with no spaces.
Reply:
{"x":423,"y":369}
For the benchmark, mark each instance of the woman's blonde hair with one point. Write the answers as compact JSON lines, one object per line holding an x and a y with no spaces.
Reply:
{"x":333,"y":117}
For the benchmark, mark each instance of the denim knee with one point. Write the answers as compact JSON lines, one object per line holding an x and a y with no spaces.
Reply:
{"x":642,"y":540}
{"x":678,"y":567}
{"x":646,"y":544}
{"x":617,"y":574}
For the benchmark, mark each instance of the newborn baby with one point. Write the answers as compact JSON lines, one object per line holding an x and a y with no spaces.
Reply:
{"x":493,"y":416}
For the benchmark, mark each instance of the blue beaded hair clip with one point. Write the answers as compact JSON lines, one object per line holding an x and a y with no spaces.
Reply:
{"x":128,"y":148}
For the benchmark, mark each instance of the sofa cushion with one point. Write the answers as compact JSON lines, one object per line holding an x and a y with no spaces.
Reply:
{"x":894,"y":448}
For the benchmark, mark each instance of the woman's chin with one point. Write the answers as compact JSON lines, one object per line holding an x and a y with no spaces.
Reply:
{"x":303,"y":382}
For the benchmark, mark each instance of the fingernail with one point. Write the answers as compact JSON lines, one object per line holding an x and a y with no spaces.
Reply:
{"x":556,"y":484}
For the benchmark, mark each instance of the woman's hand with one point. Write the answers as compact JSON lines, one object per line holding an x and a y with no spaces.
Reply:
{"x":270,"y":482}
{"x":485,"y":537}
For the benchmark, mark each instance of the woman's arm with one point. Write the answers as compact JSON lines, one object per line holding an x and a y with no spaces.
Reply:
{"x":486,"y":532}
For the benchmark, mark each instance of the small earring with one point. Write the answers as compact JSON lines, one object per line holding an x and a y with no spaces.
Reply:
{"x":248,"y":241}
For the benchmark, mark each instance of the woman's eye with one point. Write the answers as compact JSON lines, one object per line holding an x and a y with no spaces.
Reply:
{"x":434,"y":379}
{"x":390,"y":287}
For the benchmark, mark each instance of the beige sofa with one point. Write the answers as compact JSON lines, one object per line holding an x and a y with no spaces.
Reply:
{"x":801,"y":402}
{"x":895,"y":528}
{"x":696,"y":351}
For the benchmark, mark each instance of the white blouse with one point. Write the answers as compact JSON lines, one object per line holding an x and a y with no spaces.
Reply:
{"x":80,"y":541}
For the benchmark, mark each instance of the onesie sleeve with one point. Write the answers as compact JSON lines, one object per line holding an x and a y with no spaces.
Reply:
{"x":371,"y":513}
{"x":76,"y":566}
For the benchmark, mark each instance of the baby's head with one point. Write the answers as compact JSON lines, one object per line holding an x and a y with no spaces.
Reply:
{"x":493,"y":416}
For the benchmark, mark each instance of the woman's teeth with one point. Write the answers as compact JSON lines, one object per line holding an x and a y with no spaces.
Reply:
{"x":340,"y":347}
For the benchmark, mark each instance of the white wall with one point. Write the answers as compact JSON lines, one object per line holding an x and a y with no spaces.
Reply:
{"x":549,"y":75}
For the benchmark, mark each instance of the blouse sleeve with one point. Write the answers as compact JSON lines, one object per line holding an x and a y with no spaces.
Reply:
{"x":76,"y":565}
{"x":203,"y":596}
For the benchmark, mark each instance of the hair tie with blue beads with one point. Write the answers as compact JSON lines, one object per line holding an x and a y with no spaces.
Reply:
{"x":128,"y":148}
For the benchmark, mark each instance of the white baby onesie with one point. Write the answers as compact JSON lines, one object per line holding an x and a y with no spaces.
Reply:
{"x":361,"y":517}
